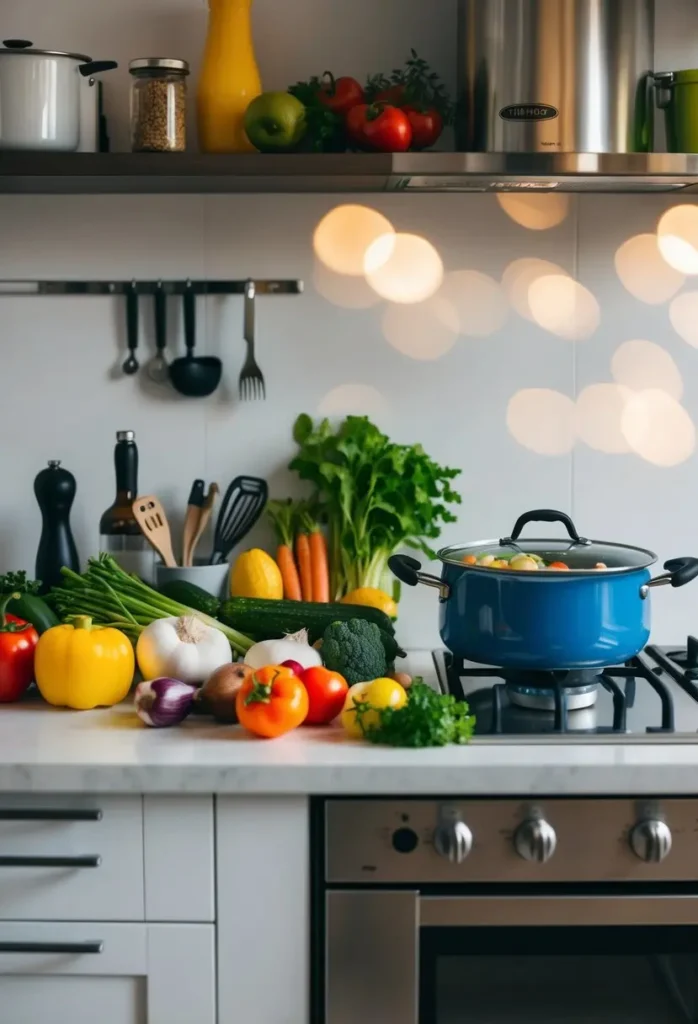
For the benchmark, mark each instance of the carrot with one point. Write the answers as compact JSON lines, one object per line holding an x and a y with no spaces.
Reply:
{"x":319,"y":566}
{"x":304,"y":566}
{"x":289,"y":573}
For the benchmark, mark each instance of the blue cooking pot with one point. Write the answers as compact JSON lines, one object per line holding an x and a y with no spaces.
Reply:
{"x":501,"y":602}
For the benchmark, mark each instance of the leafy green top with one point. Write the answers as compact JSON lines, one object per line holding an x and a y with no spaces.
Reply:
{"x":428,"y":719}
{"x":17,"y":581}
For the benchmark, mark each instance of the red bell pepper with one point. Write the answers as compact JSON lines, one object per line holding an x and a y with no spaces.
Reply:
{"x":18,"y":640}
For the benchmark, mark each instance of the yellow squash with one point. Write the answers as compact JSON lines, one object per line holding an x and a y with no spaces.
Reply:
{"x":256,"y":574}
{"x":372,"y":597}
{"x":84,"y":666}
{"x":229,"y":78}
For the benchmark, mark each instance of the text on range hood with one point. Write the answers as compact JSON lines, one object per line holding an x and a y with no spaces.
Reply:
{"x":145,"y":173}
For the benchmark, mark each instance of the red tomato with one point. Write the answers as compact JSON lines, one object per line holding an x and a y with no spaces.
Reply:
{"x":379,"y":127}
{"x":427,"y":125}
{"x":271,"y":701}
{"x":326,"y":694}
{"x":18,"y":641}
{"x":340,"y":94}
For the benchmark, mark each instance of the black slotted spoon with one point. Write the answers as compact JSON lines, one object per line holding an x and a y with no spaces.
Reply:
{"x":242,"y":506}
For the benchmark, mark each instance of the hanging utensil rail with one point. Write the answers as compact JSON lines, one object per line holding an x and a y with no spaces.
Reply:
{"x":148,"y":287}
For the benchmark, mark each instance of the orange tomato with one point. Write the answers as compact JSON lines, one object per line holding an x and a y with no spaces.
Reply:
{"x":272,"y":701}
{"x":559,"y":566}
{"x":470,"y":560}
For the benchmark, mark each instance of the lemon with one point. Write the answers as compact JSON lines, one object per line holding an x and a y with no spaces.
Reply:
{"x":372,"y":597}
{"x":380,"y":693}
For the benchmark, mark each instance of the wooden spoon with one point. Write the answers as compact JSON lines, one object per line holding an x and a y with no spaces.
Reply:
{"x":152,"y":520}
{"x":204,"y":518}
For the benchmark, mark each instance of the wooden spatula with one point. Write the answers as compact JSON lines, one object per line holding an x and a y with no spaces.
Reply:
{"x":204,"y":518}
{"x":153,"y":522}
{"x":191,"y":522}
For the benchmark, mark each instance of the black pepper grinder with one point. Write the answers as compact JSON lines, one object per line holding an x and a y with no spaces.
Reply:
{"x":55,"y":491}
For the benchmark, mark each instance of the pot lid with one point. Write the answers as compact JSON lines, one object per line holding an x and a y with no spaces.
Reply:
{"x":16,"y":46}
{"x":579,"y":554}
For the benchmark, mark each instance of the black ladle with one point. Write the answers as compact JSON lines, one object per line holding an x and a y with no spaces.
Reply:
{"x":131,"y":364}
{"x":194,"y":376}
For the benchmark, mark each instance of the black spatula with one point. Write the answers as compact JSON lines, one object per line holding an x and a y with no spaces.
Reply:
{"x":242,"y":506}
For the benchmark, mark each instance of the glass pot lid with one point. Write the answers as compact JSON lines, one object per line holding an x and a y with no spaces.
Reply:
{"x":576,"y":553}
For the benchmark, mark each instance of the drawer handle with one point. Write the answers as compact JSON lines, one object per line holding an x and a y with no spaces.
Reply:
{"x":49,"y":814}
{"x":79,"y":948}
{"x":88,"y":861}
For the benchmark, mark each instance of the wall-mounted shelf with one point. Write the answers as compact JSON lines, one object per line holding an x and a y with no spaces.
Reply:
{"x":193,"y":287}
{"x":143,"y":173}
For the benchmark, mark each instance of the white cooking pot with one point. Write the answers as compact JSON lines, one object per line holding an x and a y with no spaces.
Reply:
{"x":42,"y":94}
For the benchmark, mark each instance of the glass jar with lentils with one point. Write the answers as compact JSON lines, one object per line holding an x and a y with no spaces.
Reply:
{"x":158,"y":105}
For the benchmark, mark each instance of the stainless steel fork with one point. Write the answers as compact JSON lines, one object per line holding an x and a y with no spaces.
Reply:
{"x":251,"y":382}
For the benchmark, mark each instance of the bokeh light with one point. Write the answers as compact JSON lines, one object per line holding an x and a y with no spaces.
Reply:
{"x":645,"y":273}
{"x":354,"y":400}
{"x":345,"y":233}
{"x":600,"y":409}
{"x":403,"y":268}
{"x":677,"y":234}
{"x":683,"y":314}
{"x":342,"y":290}
{"x":643,"y":365}
{"x":535,"y":212}
{"x":480,"y":302}
{"x":518,"y":278}
{"x":658,"y":428}
{"x":425,"y":332}
{"x":564,"y":307}
{"x":543,"y":421}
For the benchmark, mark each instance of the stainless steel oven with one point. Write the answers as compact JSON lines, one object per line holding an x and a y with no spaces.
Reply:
{"x":499,"y":911}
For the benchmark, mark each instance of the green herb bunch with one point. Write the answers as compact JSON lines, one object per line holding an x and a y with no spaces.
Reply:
{"x":428,"y":719}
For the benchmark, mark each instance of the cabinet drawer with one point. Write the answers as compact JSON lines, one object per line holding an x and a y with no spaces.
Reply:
{"x":71,"y":858}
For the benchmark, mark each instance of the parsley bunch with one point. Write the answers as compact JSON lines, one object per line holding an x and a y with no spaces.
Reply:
{"x":428,"y":719}
{"x":17,"y":582}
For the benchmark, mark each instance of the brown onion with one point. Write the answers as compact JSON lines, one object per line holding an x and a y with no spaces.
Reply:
{"x":217,"y":696}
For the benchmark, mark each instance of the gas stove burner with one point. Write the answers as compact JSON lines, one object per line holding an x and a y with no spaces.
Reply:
{"x":540,"y":691}
{"x":686,"y":657}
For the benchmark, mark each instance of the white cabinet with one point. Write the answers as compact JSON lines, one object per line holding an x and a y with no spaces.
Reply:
{"x":112,"y":973}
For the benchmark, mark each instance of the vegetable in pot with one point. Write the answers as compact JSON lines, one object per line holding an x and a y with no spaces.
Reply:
{"x":272,"y":701}
{"x":218,"y":695}
{"x":294,"y":647}
{"x":163,"y":702}
{"x":183,"y":647}
{"x":374,"y":495}
{"x":355,"y":649}
{"x":18,"y":640}
{"x":80,"y":665}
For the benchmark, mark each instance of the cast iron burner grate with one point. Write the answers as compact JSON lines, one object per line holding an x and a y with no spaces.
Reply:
{"x":620,"y":682}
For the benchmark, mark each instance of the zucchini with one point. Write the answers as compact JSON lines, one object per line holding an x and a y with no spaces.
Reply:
{"x":267,"y":620}
{"x":192,"y":596}
{"x":34,"y":609}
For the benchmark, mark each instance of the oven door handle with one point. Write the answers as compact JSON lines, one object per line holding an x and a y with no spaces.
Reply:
{"x":555,"y":911}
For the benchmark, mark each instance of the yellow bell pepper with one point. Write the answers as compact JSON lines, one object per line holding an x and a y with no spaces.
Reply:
{"x":84,"y":666}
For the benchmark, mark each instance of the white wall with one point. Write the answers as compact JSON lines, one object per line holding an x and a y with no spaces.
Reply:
{"x":62,"y":395}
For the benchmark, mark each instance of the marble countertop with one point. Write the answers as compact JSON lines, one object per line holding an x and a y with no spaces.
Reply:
{"x":44,"y":749}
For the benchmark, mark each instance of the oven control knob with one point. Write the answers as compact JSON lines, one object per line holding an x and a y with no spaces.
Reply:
{"x":453,"y":840}
{"x":535,"y":840}
{"x":651,"y":841}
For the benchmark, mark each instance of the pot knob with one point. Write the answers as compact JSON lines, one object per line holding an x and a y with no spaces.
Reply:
{"x":535,"y":840}
{"x":651,"y":841}
{"x":453,"y":840}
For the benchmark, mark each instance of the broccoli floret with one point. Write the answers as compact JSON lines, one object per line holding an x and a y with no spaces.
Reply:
{"x":355,"y":649}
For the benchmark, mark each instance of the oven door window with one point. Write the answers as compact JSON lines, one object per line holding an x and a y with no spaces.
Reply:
{"x":550,"y":975}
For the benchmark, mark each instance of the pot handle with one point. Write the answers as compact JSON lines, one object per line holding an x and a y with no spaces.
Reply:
{"x":663,"y":82}
{"x":544,"y":515}
{"x":95,"y":67}
{"x":407,"y":570}
{"x":680,"y":571}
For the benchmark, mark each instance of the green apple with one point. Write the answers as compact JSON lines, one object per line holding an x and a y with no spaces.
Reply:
{"x":275,"y":122}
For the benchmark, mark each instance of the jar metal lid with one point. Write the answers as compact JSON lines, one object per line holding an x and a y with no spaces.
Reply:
{"x":125,"y":435}
{"x":159,"y":64}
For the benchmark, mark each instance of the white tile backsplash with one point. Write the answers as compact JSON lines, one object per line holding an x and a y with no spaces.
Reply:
{"x":62,"y":396}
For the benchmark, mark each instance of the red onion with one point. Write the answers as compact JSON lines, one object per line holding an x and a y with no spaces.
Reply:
{"x":295,"y":667}
{"x":164,"y":701}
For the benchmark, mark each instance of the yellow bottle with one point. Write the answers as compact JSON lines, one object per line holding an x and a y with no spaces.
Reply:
{"x":229,"y":78}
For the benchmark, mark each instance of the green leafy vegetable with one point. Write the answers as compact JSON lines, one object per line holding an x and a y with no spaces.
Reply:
{"x":418,"y":86}
{"x":355,"y":649}
{"x":374,"y":495}
{"x":325,"y":130}
{"x":428,"y":719}
{"x":17,"y":582}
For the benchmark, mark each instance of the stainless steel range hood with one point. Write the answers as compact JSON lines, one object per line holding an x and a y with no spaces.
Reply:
{"x":365,"y":173}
